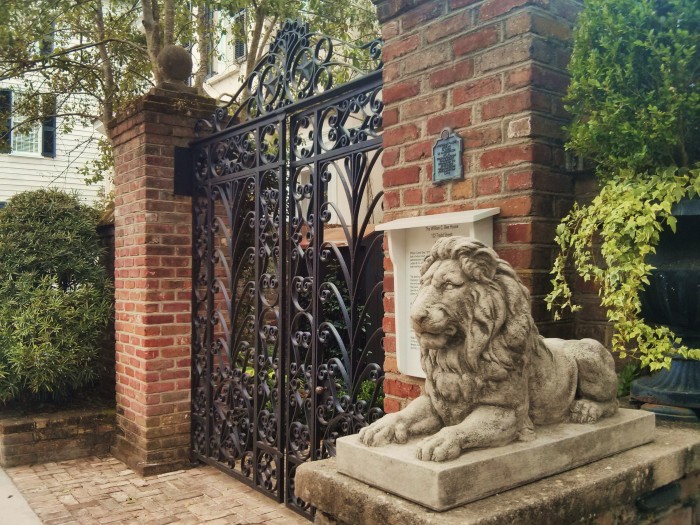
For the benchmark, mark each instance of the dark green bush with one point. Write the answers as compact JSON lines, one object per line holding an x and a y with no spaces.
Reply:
{"x":55,"y":295}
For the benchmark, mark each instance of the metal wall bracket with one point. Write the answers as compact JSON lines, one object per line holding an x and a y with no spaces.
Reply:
{"x":183,"y":181}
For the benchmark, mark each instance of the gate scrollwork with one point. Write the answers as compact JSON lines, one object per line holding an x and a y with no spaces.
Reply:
{"x":299,"y":65}
{"x":287,"y":270}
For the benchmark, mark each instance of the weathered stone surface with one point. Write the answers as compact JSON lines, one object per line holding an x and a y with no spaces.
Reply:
{"x":484,"y":472}
{"x":490,"y":376}
{"x":581,"y":495}
{"x":175,"y":64}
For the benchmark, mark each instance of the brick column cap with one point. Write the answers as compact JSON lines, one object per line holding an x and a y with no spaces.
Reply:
{"x":163,"y":101}
{"x":389,"y":9}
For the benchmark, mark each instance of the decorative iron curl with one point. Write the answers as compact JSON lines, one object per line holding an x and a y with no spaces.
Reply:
{"x":299,"y":64}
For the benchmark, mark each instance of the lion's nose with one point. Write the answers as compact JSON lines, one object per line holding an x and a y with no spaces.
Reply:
{"x":419,"y":314}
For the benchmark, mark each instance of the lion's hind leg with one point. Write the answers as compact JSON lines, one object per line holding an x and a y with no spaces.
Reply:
{"x":596,"y":393}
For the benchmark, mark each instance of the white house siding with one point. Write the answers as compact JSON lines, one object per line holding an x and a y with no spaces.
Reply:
{"x":25,"y":171}
{"x":227,"y":74}
{"x":20,"y":172}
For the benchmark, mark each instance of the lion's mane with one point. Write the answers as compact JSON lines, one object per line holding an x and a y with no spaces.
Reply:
{"x":495,"y":294}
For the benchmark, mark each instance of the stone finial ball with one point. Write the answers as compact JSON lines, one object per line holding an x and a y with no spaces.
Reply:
{"x":175,"y":63}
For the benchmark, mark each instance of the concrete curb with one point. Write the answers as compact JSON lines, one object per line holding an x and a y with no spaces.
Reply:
{"x":13,"y":507}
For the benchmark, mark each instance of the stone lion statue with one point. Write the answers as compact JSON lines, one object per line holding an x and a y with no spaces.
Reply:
{"x":490,"y":376}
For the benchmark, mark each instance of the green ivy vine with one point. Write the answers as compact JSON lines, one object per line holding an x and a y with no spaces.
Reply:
{"x":608,"y":241}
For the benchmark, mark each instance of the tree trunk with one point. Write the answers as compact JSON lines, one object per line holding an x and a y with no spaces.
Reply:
{"x":151,"y":23}
{"x":105,"y":66}
{"x":203,"y":37}
{"x":258,"y":21}
{"x":260,"y":38}
{"x":169,"y":23}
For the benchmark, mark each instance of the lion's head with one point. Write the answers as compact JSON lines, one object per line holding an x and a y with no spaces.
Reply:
{"x":471,"y":307}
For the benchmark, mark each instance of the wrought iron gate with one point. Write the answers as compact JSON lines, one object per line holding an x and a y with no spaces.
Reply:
{"x":287,"y":301}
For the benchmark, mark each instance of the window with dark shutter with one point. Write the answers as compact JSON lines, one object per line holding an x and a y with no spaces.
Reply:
{"x":239,"y":49}
{"x":5,"y":120}
{"x":239,"y":46}
{"x":48,"y":127}
{"x":47,"y":42}
{"x":18,"y":136}
{"x":211,"y":46}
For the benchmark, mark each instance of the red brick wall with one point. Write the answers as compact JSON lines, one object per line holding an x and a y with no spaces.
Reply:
{"x":153,"y":282}
{"x":590,"y":319}
{"x":494,"y":71}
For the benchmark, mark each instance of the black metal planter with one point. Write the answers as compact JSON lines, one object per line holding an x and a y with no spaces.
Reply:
{"x":672,"y":394}
{"x":673,"y":299}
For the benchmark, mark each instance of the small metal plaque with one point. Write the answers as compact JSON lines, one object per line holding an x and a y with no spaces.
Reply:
{"x":447,"y":157}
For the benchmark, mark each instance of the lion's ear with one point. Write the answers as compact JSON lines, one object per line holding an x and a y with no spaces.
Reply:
{"x":480,"y":265}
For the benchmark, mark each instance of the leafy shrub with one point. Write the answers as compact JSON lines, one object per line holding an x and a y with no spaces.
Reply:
{"x":55,"y":296}
{"x":634,"y":92}
{"x":629,"y":373}
{"x":635,"y":100}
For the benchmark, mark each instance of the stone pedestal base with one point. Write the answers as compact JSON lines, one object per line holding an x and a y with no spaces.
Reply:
{"x":655,"y":483}
{"x":481,"y":473}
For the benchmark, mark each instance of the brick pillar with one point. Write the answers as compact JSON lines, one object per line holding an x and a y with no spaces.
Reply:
{"x":495,"y":72}
{"x":152,"y":281}
{"x":591,"y":319}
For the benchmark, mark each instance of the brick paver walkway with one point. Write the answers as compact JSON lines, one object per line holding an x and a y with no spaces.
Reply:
{"x":103,"y":490}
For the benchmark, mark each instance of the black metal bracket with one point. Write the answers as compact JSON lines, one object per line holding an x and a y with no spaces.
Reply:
{"x":183,"y":181}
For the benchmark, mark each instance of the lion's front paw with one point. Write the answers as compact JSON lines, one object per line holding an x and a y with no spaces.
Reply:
{"x":389,"y":429}
{"x":585,"y":411}
{"x":443,"y":446}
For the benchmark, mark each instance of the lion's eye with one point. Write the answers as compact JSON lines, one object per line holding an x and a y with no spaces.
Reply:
{"x":452,"y":285}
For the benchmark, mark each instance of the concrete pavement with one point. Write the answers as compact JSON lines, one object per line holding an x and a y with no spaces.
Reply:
{"x":14,"y":508}
{"x":102,"y":490}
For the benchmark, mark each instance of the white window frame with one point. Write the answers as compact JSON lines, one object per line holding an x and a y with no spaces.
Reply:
{"x":33,"y":136}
